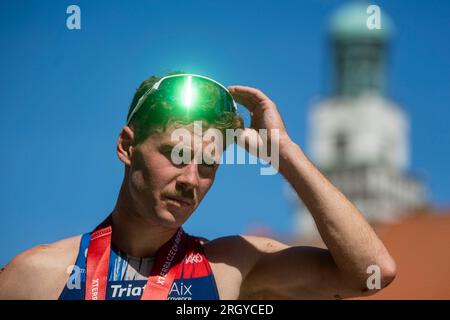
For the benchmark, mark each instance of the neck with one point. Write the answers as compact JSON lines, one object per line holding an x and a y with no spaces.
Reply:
{"x":135,"y":235}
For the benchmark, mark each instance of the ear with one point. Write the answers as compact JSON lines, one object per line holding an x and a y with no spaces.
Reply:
{"x":125,"y":145}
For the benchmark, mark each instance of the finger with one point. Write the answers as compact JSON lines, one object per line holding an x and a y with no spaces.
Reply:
{"x":248,"y":97}
{"x":250,"y":140}
{"x":254,"y":93}
{"x":243,"y":98}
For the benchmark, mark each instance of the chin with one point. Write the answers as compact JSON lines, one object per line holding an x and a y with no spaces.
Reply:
{"x":172,"y":219}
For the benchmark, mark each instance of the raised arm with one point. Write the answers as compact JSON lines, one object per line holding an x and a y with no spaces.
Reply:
{"x":353,"y":246}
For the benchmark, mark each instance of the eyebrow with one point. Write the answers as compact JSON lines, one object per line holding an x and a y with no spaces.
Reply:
{"x":166,"y":147}
{"x":169,"y":146}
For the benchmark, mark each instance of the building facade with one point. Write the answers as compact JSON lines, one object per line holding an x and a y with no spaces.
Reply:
{"x":358,"y":137}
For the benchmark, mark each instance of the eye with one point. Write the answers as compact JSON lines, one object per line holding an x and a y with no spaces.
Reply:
{"x":166,"y":151}
{"x":207,"y":169}
{"x":183,"y":156}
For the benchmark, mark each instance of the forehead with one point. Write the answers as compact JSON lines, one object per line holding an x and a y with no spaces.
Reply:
{"x":196,"y":132}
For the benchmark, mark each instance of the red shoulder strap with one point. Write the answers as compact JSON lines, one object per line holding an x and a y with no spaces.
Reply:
{"x":195,"y":264}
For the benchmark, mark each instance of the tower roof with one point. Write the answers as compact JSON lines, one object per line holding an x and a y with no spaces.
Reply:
{"x":350,"y":22}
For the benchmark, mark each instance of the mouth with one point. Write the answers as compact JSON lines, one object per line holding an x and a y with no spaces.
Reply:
{"x":180,"y":202}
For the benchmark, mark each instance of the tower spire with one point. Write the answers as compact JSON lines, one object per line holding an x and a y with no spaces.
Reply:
{"x":358,"y":51}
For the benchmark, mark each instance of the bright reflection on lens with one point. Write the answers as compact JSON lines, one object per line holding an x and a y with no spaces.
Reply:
{"x":188,"y":93}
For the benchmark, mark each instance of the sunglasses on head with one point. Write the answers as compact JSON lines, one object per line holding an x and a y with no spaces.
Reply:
{"x":189,"y":94}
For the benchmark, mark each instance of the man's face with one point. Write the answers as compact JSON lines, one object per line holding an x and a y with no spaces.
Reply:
{"x":163,"y":191}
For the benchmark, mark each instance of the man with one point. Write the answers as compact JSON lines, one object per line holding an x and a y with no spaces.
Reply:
{"x":141,"y":252}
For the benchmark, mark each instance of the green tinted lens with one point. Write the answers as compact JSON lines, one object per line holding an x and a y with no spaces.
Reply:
{"x":191,"y":94}
{"x":185,"y":96}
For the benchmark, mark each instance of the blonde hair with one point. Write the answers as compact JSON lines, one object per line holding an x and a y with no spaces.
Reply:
{"x":155,"y":116}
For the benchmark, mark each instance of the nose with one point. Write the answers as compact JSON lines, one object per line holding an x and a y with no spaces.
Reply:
{"x":188,"y":180}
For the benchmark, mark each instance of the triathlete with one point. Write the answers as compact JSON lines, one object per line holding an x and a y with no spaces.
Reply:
{"x":140,"y":250}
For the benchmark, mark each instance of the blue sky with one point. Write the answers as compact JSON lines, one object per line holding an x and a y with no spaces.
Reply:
{"x":64,"y":97}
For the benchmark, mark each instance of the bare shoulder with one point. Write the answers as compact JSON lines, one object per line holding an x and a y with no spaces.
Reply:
{"x":232,"y":247}
{"x":40,"y":272}
{"x":232,"y":258}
